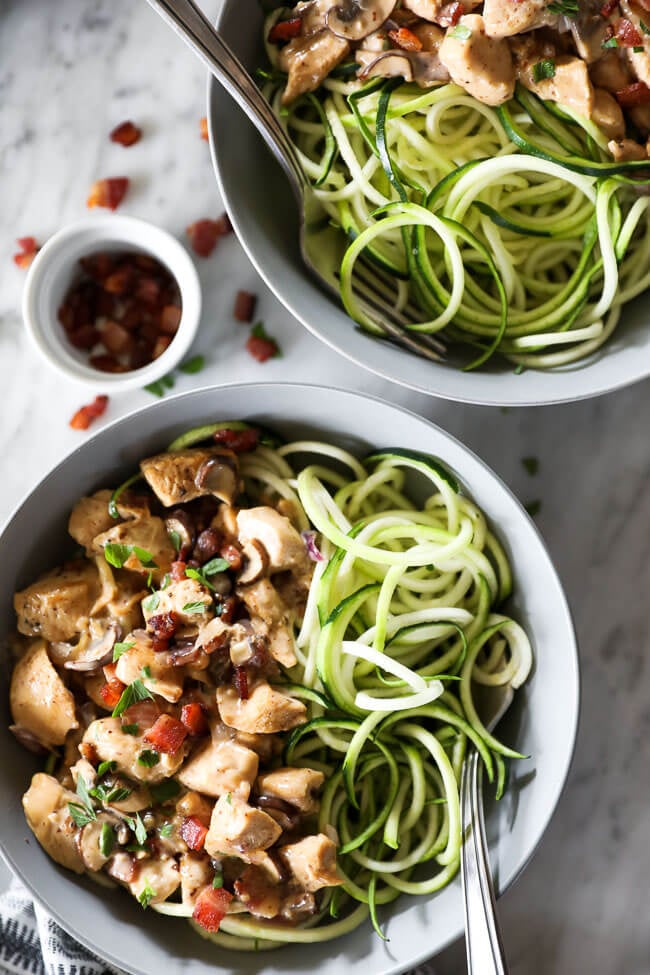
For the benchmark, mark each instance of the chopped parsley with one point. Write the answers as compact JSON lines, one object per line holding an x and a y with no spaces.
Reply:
{"x":543,"y":70}
{"x":197,"y":574}
{"x":146,"y":895}
{"x":610,"y":42}
{"x":158,"y":387}
{"x":166,"y":830}
{"x":217,"y":880}
{"x":151,"y":603}
{"x":146,"y":671}
{"x":531,"y":464}
{"x":195,"y":608}
{"x":644,"y":27}
{"x":131,"y":695}
{"x":138,"y":828}
{"x":148,"y":758}
{"x":119,"y":649}
{"x":214,"y":566}
{"x":566,"y":8}
{"x":105,"y":767}
{"x":82,"y":813}
{"x":117,"y":555}
{"x":106,"y":840}
{"x":166,"y":581}
{"x":193,"y":365}
{"x":175,"y":539}
{"x":164,"y":791}
{"x":131,"y":729}
{"x":460,"y":32}
{"x":107,"y":794}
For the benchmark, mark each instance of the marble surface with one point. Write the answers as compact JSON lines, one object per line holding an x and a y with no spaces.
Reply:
{"x":69,"y":72}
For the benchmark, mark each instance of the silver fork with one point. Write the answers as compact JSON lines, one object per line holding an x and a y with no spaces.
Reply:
{"x":320,"y":244}
{"x":483,"y":942}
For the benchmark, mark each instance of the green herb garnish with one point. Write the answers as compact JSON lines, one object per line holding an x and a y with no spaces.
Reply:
{"x":193,"y":365}
{"x":119,"y":649}
{"x":106,"y":840}
{"x":215,"y":566}
{"x":566,"y":8}
{"x":533,"y":507}
{"x":116,"y":555}
{"x":175,"y":539}
{"x":610,"y":42}
{"x":131,"y":729}
{"x":131,"y":695}
{"x":105,"y":767}
{"x":145,"y":897}
{"x":460,"y":32}
{"x":151,"y":603}
{"x":148,"y":758}
{"x":195,"y":608}
{"x":543,"y":70}
{"x":166,"y":830}
{"x":217,"y":880}
{"x":531,"y":465}
{"x":138,"y":828}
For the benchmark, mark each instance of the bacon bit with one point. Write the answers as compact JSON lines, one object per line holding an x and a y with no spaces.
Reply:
{"x":85,"y":416}
{"x":232,"y":555}
{"x":163,"y":625}
{"x":109,"y":671}
{"x":193,"y":832}
{"x":450,"y":14}
{"x":167,"y":735}
{"x":194,"y":719}
{"x":608,"y":8}
{"x":285,"y":30}
{"x":162,"y":344}
{"x":111,"y":692}
{"x":98,"y":265}
{"x":262,"y":348}
{"x":239,"y":441}
{"x":108,"y":193}
{"x":88,"y":751}
{"x":203,"y":123}
{"x":631,"y":95}
{"x":405,"y":39}
{"x":204,"y":236}
{"x":126,"y":134}
{"x":159,"y":644}
{"x":143,"y":713}
{"x":627,"y":35}
{"x":240,"y":679}
{"x":244,"y":309}
{"x":211,"y":907}
{"x":177,"y":570}
{"x":28,"y":251}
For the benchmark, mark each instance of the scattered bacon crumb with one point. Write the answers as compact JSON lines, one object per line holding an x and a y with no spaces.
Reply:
{"x":211,"y":907}
{"x":194,"y":719}
{"x":405,"y":39}
{"x":240,"y":678}
{"x":193,"y":832}
{"x":177,"y":570}
{"x":284,"y":30}
{"x":28,"y":251}
{"x":85,"y":416}
{"x":108,"y":193}
{"x":126,"y":134}
{"x":244,"y":309}
{"x":232,"y":555}
{"x":204,"y":235}
{"x":228,"y":607}
{"x":631,"y":95}
{"x":608,"y":8}
{"x":204,"y":128}
{"x":627,"y":35}
{"x":167,"y":735}
{"x":450,"y":14}
{"x":261,"y":348}
{"x":111,"y":692}
{"x":239,"y":441}
{"x":163,"y":624}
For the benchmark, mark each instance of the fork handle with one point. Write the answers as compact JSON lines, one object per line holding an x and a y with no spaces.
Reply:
{"x":187,"y":20}
{"x":485,"y":955}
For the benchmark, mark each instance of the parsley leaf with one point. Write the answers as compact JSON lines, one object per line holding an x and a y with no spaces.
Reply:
{"x":195,"y":608}
{"x":119,"y":649}
{"x":543,"y":70}
{"x":217,"y":880}
{"x":138,"y":828}
{"x":131,"y":729}
{"x":164,"y":791}
{"x":84,"y":795}
{"x":193,"y":365}
{"x":566,"y":8}
{"x":146,"y":671}
{"x":644,"y":27}
{"x":156,"y":388}
{"x":151,"y":603}
{"x":106,"y":840}
{"x":107,"y":794}
{"x":197,"y":574}
{"x":131,"y":695}
{"x":148,"y":758}
{"x":175,"y":539}
{"x":460,"y":32}
{"x":80,"y":814}
{"x":531,"y":465}
{"x":146,"y":895}
{"x":533,"y":507}
{"x":105,"y":767}
{"x":117,"y":555}
{"x":610,"y":42}
{"x":214,"y":566}
{"x":166,"y":830}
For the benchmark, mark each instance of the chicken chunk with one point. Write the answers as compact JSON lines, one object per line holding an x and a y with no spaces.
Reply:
{"x":258,"y":892}
{"x":159,"y":878}
{"x":90,"y":518}
{"x":149,"y":534}
{"x":266,"y":711}
{"x":610,"y":72}
{"x":187,"y":474}
{"x":312,"y":862}
{"x":196,"y":873}
{"x":607,"y":114}
{"x":57,"y":605}
{"x":237,"y":829}
{"x":480,"y":64}
{"x":627,"y":150}
{"x":141,"y":662}
{"x":309,"y":60}
{"x":504,"y":18}
{"x":216,"y":769}
{"x":297,"y":786}
{"x":46,"y":810}
{"x":111,"y":744}
{"x":569,"y":86}
{"x":184,"y":599}
{"x":39,"y":700}
{"x":271,"y":619}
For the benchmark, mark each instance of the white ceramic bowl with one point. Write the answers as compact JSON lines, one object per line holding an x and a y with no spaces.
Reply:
{"x":56,"y":266}
{"x":263,"y":213}
{"x":541,"y":723}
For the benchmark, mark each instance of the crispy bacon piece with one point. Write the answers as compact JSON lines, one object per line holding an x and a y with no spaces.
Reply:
{"x":85,"y":337}
{"x":126,"y":134}
{"x":204,"y":236}
{"x":177,"y":570}
{"x":111,"y":692}
{"x":85,"y":416}
{"x":143,"y":713}
{"x":635,"y":94}
{"x":232,"y":555}
{"x":193,"y":832}
{"x":240,"y":680}
{"x":405,"y":39}
{"x":261,"y":348}
{"x":194,"y":719}
{"x":228,"y":607}
{"x":163,"y":625}
{"x":244,"y":309}
{"x":450,"y":14}
{"x":608,"y":8}
{"x":211,"y":907}
{"x":167,"y":734}
{"x":239,"y":441}
{"x":627,"y":35}
{"x":28,"y":251}
{"x":203,"y":123}
{"x":107,"y":363}
{"x":285,"y":30}
{"x":108,"y":193}
{"x":115,"y":337}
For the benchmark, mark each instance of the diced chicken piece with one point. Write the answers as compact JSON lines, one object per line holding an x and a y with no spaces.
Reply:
{"x":570,"y":85}
{"x":309,"y":60}
{"x":504,"y":18}
{"x":141,"y":662}
{"x":39,"y":700}
{"x":194,"y":804}
{"x":607,"y":114}
{"x":184,"y":599}
{"x":149,"y":534}
{"x":312,"y":862}
{"x":125,"y":607}
{"x":196,"y":873}
{"x":113,"y":745}
{"x":46,"y":810}
{"x":262,"y":745}
{"x":187,"y":474}
{"x":627,"y":150}
{"x":57,"y":605}
{"x":640,"y":115}
{"x":297,"y":786}
{"x":88,"y":843}
{"x":271,"y":619}
{"x":610,"y":72}
{"x":237,"y":829}
{"x":639,"y":60}
{"x":266,"y":711}
{"x":156,"y":879}
{"x":216,"y":769}
{"x":90,"y":518}
{"x":284,"y":545}
{"x":258,"y":892}
{"x":480,"y":64}
{"x":83,"y":769}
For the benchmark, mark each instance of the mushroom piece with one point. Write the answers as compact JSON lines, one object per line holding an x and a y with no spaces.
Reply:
{"x":88,"y":843}
{"x":392,"y":64}
{"x":178,"y":523}
{"x":218,"y":475}
{"x":256,"y":562}
{"x":355,"y":19}
{"x":98,"y":652}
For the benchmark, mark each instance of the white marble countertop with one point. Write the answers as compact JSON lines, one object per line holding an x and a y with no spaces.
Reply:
{"x":69,"y":72}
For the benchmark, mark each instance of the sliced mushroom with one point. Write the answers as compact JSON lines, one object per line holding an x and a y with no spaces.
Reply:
{"x":391,"y":64}
{"x":98,"y":653}
{"x":88,"y":840}
{"x":355,"y":19}
{"x":256,"y":562}
{"x":218,"y":475}
{"x":179,"y":523}
{"x":427,"y":68}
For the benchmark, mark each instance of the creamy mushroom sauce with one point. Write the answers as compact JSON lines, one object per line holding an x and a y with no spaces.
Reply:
{"x":591,"y":57}
{"x":149,"y":667}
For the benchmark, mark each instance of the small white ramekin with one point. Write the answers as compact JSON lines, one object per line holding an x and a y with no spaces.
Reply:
{"x":56,"y":266}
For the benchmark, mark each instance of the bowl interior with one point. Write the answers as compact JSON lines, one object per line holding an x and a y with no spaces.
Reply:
{"x":542,"y":723}
{"x":264,"y":215}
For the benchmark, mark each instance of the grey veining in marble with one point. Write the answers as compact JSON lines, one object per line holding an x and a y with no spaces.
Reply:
{"x":69,"y":71}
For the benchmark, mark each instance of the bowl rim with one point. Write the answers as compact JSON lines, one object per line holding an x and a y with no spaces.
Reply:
{"x":53,"y":909}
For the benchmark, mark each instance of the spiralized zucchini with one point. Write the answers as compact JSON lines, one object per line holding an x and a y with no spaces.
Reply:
{"x":400,"y":621}
{"x":508,"y":229}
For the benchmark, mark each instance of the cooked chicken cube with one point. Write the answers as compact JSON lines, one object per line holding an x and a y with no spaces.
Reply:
{"x":237,"y":829}
{"x":265,"y":711}
{"x":156,"y":880}
{"x":90,"y":518}
{"x":432,"y":9}
{"x":194,"y":804}
{"x":271,"y":619}
{"x":610,"y":72}
{"x":187,"y":474}
{"x":189,"y":601}
{"x":196,"y":873}
{"x":112,"y":744}
{"x":216,"y":769}
{"x":482,"y":65}
{"x":258,"y":891}
{"x":46,"y":810}
{"x":312,"y":862}
{"x":607,"y":114}
{"x":297,"y":786}
{"x":142,"y":662}
{"x":148,"y":534}
{"x":570,"y":85}
{"x":57,"y":605}
{"x":39,"y":700}
{"x":627,"y":150}
{"x":309,"y":60}
{"x":503,"y":18}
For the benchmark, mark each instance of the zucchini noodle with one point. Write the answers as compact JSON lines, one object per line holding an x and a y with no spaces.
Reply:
{"x":507,"y":229}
